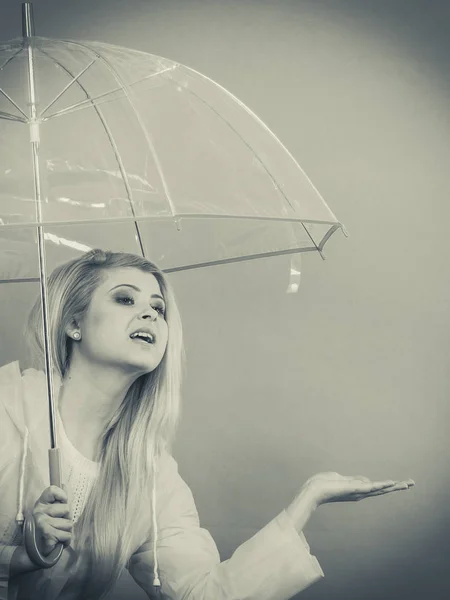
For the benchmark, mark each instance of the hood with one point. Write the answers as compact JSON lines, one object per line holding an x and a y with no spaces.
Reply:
{"x":24,"y":396}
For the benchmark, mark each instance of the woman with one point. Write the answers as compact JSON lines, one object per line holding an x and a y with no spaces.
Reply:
{"x":116,"y":343}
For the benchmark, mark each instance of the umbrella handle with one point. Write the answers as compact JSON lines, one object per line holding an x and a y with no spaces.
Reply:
{"x":32,"y":548}
{"x":29,"y":530}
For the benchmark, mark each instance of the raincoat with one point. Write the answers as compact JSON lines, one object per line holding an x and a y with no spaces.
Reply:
{"x":275,"y":564}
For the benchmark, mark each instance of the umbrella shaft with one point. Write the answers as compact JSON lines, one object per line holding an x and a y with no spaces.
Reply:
{"x":46,"y":337}
{"x":27,"y":20}
{"x":28,"y":32}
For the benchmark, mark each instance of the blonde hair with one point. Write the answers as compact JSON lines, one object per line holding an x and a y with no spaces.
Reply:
{"x":141,"y":429}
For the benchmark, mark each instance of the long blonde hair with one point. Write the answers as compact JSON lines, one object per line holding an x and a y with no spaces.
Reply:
{"x":143,"y":426}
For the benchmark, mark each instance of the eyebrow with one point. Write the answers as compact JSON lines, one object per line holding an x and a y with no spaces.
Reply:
{"x":135,"y":287}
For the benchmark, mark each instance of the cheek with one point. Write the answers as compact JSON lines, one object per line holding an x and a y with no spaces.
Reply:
{"x":164,"y":336}
{"x":99,"y":327}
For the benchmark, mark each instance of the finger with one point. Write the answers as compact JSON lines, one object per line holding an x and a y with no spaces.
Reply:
{"x":405,"y":484}
{"x":47,"y":547}
{"x":395,"y":488}
{"x":372,"y":486}
{"x":53,"y":494}
{"x":360,"y":479}
{"x":56,"y":535}
{"x":51,"y":510}
{"x":61,"y":524}
{"x":400,"y":485}
{"x":56,"y":510}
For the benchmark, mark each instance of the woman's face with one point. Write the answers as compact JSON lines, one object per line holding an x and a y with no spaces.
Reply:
{"x":125,"y":324}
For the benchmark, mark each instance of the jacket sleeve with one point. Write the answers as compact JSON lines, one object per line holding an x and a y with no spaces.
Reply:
{"x":10,"y":404}
{"x":8,"y":589}
{"x":275,"y":564}
{"x":10,"y":441}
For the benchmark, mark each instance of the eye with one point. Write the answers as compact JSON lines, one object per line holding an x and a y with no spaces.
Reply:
{"x":127,"y":300}
{"x":160,"y":309}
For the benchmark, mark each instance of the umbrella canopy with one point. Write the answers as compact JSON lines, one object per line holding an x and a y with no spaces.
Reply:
{"x":138,"y":153}
{"x":108,"y":147}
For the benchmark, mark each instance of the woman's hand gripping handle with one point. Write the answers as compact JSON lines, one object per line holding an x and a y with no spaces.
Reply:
{"x":48,"y":530}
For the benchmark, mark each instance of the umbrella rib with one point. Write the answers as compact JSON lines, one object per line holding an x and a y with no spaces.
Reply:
{"x":86,"y":103}
{"x":328,"y":234}
{"x":252,"y":114}
{"x":260,"y":122}
{"x":9,"y":117}
{"x":66,"y":87}
{"x":8,"y":60}
{"x":20,"y":280}
{"x":274,"y":181}
{"x":212,"y":263}
{"x":115,"y":149}
{"x":179,"y":215}
{"x":218,"y":262}
{"x":225,"y":261}
{"x":12,"y":102}
{"x":80,"y":105}
{"x":222,"y":118}
{"x":143,"y":128}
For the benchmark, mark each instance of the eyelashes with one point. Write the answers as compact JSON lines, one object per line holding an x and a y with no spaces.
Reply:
{"x":161,"y":310}
{"x":129,"y":301}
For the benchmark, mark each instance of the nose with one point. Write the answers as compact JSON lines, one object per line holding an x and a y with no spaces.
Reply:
{"x":149,"y":313}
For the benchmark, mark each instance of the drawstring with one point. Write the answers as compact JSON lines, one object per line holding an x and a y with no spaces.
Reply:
{"x":20,"y":516}
{"x":156,"y":580}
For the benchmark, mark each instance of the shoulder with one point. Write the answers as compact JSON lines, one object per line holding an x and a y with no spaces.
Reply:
{"x":11,"y":392}
{"x":22,"y":395}
{"x":9,"y":373}
{"x":12,"y":422}
{"x":34,"y":382}
{"x":167,"y":474}
{"x":12,"y":376}
{"x":174,"y":496}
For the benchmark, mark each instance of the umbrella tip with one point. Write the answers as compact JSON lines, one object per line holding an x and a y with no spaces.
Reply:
{"x":27,"y":20}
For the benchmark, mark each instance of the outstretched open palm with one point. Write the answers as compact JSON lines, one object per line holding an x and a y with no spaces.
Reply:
{"x":332,"y":487}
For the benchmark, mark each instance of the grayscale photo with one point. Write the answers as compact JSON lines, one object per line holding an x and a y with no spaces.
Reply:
{"x":224,"y":294}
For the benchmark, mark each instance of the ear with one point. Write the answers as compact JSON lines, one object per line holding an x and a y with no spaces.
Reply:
{"x":72,"y":326}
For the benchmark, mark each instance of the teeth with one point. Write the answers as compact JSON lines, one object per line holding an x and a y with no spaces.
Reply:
{"x":143,"y":334}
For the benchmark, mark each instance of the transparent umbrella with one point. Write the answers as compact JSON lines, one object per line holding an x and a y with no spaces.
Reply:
{"x":102,"y":146}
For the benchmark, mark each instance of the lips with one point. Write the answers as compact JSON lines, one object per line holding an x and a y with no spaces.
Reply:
{"x":144,"y":335}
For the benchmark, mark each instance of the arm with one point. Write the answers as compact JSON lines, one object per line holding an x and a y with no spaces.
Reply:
{"x":20,"y":562}
{"x":13,"y":561}
{"x":275,"y":564}
{"x":6,"y":553}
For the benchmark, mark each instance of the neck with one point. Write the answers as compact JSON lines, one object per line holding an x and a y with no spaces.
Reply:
{"x":90,"y":396}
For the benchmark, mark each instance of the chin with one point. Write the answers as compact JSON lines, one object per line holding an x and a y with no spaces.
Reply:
{"x":143,"y":367}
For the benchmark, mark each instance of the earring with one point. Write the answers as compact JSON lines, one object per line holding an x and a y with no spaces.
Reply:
{"x":76,"y":335}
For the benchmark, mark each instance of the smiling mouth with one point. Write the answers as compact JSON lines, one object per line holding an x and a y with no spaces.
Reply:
{"x":142,"y":336}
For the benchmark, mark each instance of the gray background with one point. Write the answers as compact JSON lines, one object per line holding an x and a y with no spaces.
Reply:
{"x":351,"y":373}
